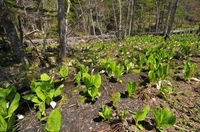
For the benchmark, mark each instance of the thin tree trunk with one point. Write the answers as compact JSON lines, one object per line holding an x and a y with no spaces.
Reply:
{"x":167,"y":19}
{"x":119,"y":34}
{"x":115,"y":18}
{"x":131,"y":17}
{"x":84,"y":21}
{"x":127,"y":18}
{"x":13,"y":38}
{"x":91,"y":17}
{"x":62,"y":28}
{"x":157,"y":14}
{"x":172,"y":17}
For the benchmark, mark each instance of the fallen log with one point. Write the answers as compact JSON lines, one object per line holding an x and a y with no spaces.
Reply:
{"x":172,"y":32}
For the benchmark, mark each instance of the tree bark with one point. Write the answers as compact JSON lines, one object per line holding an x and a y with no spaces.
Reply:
{"x":131,"y":17}
{"x":62,"y":28}
{"x":119,"y":32}
{"x":14,"y":39}
{"x":170,"y":18}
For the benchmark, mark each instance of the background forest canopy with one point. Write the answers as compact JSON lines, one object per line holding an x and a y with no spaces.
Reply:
{"x":96,"y":17}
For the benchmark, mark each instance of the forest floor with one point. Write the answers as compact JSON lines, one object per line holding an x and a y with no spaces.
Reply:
{"x":79,"y":115}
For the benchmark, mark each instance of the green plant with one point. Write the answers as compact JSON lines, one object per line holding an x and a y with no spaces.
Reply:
{"x":43,"y":93}
{"x":113,"y":70}
{"x":123,"y":114}
{"x":141,"y":115}
{"x":163,"y":117}
{"x":158,"y":72}
{"x":128,"y":65}
{"x":131,"y":88}
{"x":78,"y":78}
{"x":9,"y":100}
{"x":163,"y":91}
{"x":63,"y":72}
{"x":84,"y":69}
{"x":92,"y":83}
{"x":106,"y":112}
{"x":115,"y":99}
{"x":54,"y":121}
{"x":188,"y":70}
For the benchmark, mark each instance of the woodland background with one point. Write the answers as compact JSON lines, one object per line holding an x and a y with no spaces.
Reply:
{"x":25,"y":19}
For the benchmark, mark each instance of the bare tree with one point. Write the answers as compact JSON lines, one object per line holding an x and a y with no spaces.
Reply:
{"x":119,"y":33}
{"x":170,"y":18}
{"x":62,"y":28}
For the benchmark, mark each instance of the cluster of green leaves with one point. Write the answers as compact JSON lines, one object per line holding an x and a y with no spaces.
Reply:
{"x":92,"y":83}
{"x":163,"y":91}
{"x":106,"y":113}
{"x":79,"y":76}
{"x":163,"y":117}
{"x":188,"y":70}
{"x":128,"y":65}
{"x":113,"y":70}
{"x":115,"y":99}
{"x":43,"y":92}
{"x":9,"y":100}
{"x":131,"y":88}
{"x":63,"y":72}
{"x":158,"y":70}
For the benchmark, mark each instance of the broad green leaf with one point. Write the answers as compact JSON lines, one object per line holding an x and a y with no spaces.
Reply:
{"x":48,"y":100}
{"x":3,"y":125}
{"x":29,"y":96}
{"x":39,"y":115}
{"x":93,"y":92}
{"x":151,"y":76}
{"x":97,"y":80}
{"x":131,"y":88}
{"x":45,"y":77}
{"x":36,"y":100}
{"x":3,"y":109}
{"x":3,"y":93}
{"x":40,"y":94}
{"x":42,"y":107}
{"x":11,"y":122}
{"x":58,"y":91}
{"x":54,"y":121}
{"x":164,"y":117}
{"x":63,"y":71}
{"x":14,"y":104}
{"x":141,"y":114}
{"x":9,"y":91}
{"x":168,"y":122}
{"x":102,"y":115}
{"x":78,"y":78}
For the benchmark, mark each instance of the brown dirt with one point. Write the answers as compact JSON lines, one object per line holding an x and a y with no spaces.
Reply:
{"x":83,"y":117}
{"x":79,"y":116}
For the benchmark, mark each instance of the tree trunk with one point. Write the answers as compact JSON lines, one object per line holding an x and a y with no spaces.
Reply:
{"x":119,"y":32}
{"x":114,"y":14}
{"x":62,"y":28}
{"x":175,"y":5}
{"x":14,"y":39}
{"x":131,"y":17}
{"x":170,"y":18}
{"x":127,"y":18}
